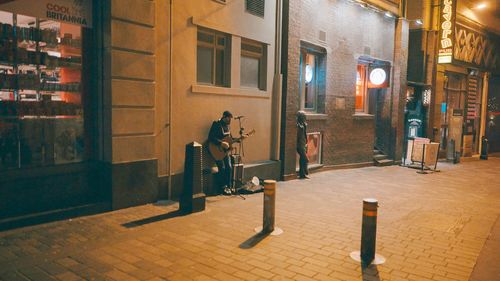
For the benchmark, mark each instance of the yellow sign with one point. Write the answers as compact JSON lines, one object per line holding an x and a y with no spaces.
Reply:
{"x":446,"y":31}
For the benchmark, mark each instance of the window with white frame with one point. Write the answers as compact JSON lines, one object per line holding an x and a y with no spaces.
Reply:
{"x":213,"y":59}
{"x":253,"y":70}
{"x":312,"y":79}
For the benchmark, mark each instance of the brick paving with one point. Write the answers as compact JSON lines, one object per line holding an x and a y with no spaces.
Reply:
{"x":431,"y":227}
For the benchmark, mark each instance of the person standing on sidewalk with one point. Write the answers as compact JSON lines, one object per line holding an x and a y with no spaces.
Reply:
{"x":302,"y":145}
{"x":220,"y":135}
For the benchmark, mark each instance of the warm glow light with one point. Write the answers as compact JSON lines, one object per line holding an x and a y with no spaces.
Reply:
{"x":480,"y":6}
{"x":378,"y":76}
{"x":309,"y":73}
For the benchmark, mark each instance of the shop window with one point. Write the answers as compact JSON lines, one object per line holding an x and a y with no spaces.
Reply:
{"x":361,"y":89}
{"x":253,"y":72}
{"x":41,"y":92}
{"x":213,"y":58}
{"x":312,"y":80}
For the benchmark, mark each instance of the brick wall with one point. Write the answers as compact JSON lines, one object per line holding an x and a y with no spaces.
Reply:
{"x":351,"y":31}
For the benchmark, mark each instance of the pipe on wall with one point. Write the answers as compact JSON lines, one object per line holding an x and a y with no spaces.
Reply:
{"x":170,"y":90}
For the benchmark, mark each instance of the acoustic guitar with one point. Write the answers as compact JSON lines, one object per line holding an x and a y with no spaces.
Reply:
{"x":218,"y":152}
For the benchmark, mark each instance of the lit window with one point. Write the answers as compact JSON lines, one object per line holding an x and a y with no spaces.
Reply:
{"x":213,"y":58}
{"x":312,"y":78}
{"x":361,"y":88}
{"x":253,"y":64}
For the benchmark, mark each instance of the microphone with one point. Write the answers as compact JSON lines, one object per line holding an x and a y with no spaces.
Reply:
{"x":239,"y":117}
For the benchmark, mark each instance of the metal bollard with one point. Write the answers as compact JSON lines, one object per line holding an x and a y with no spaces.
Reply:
{"x":369,"y":230}
{"x":269,"y":206}
{"x":484,"y":148}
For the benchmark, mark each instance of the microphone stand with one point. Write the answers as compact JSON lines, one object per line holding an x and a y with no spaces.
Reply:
{"x":238,"y":160}
{"x":242,"y":130}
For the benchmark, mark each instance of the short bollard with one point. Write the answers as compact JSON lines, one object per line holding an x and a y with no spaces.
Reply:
{"x":268,"y":226}
{"x":367,"y":254}
{"x":369,"y":230}
{"x":484,"y":148}
{"x":269,"y":206}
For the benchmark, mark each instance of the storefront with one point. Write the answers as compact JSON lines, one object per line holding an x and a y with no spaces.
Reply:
{"x":46,"y":98}
{"x":493,"y":114}
{"x":467,"y":54}
{"x":453,"y":56}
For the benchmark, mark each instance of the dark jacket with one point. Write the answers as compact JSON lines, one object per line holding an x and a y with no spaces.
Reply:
{"x":301,"y":136}
{"x":218,"y":132}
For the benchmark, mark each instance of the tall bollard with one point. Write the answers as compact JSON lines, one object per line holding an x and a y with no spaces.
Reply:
{"x":269,"y":206}
{"x":369,"y":230}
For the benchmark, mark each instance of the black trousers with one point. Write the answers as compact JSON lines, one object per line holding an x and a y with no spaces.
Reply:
{"x":303,"y":161}
{"x":225,"y":172}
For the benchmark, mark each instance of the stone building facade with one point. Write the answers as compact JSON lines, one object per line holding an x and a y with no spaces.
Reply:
{"x":146,"y":95}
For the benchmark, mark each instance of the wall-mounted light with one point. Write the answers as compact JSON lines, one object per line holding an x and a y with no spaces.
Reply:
{"x":378,"y":76}
{"x":417,"y":21}
{"x":480,"y":6}
{"x":309,"y":73}
{"x":388,"y":14}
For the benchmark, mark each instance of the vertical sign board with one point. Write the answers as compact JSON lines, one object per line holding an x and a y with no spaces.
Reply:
{"x":418,"y":148}
{"x":431,"y":154}
{"x":447,"y":31}
{"x":77,"y":12}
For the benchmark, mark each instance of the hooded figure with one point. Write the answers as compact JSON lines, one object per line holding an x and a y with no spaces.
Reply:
{"x":302,"y":144}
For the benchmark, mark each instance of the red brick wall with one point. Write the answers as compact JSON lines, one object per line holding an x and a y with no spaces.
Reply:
{"x":351,"y":31}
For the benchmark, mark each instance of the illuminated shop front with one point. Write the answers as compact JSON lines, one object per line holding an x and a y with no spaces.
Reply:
{"x":467,"y":58}
{"x":44,"y":100}
{"x":453,"y":63}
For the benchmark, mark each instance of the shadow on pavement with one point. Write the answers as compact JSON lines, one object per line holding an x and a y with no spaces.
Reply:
{"x":254,"y":240}
{"x":158,"y":218}
{"x":370,"y":272}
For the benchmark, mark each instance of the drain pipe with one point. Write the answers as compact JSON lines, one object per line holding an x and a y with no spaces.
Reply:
{"x":170,"y":91}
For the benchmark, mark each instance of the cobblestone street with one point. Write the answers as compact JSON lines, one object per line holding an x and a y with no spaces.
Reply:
{"x":430,"y":227}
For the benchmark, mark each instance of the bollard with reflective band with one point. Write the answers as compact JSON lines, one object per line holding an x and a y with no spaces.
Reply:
{"x":269,"y":205}
{"x":369,"y":230}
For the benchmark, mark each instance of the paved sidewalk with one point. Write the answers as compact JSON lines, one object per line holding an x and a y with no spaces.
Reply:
{"x":431,"y":227}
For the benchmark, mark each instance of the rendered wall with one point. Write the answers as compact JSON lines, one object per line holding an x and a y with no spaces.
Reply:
{"x":196,"y":106}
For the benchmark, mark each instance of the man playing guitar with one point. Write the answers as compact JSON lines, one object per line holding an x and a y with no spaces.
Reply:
{"x":220,"y":135}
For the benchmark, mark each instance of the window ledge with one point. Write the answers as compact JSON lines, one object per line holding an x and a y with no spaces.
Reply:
{"x":316,"y":116}
{"x":234,"y":92}
{"x":362,"y":116}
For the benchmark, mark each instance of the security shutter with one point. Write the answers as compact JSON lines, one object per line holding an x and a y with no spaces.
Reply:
{"x":256,"y":7}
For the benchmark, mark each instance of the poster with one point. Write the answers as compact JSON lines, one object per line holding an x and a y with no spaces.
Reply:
{"x":77,"y":12}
